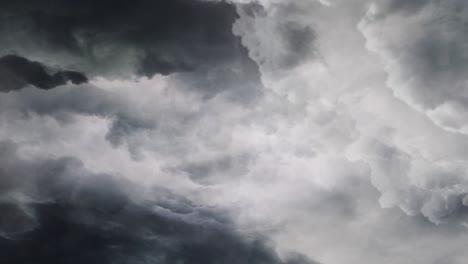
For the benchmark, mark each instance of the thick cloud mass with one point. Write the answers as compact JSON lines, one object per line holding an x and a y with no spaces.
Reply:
{"x":233,"y":131}
{"x":427,"y":59}
{"x":111,"y":37}
{"x":423,"y":47}
{"x":56,"y":211}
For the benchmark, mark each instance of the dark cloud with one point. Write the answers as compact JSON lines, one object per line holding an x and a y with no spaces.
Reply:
{"x":190,"y":40}
{"x":299,"y":41}
{"x":161,"y":36}
{"x":78,"y":216}
{"x":121,"y":39}
{"x":17,"y":72}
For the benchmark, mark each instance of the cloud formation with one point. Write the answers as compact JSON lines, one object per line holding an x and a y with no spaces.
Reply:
{"x":206,"y":131}
{"x":427,"y":58}
{"x":58,"y":211}
{"x":17,"y":72}
{"x":422,"y":47}
{"x":118,"y":38}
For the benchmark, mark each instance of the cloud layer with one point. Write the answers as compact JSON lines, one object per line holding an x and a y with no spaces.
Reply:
{"x":112,"y":37}
{"x":196,"y":131}
{"x":58,"y":211}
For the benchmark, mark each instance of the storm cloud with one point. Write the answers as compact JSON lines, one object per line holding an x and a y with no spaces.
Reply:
{"x":56,"y":211}
{"x":17,"y":72}
{"x":233,"y":131}
{"x":98,"y":36}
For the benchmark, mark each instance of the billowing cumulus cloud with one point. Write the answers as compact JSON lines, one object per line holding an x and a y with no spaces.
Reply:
{"x":424,"y":49}
{"x":238,"y":131}
{"x":295,"y":40}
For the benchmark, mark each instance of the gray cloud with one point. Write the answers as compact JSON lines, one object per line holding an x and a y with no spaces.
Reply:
{"x":235,"y":132}
{"x":426,"y":59}
{"x":295,"y":39}
{"x":96,"y":36}
{"x":58,"y":211}
{"x":17,"y":72}
{"x":215,"y":171}
{"x":436,"y":190}
{"x":422,"y":45}
{"x":299,"y":40}
{"x":63,"y":104}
